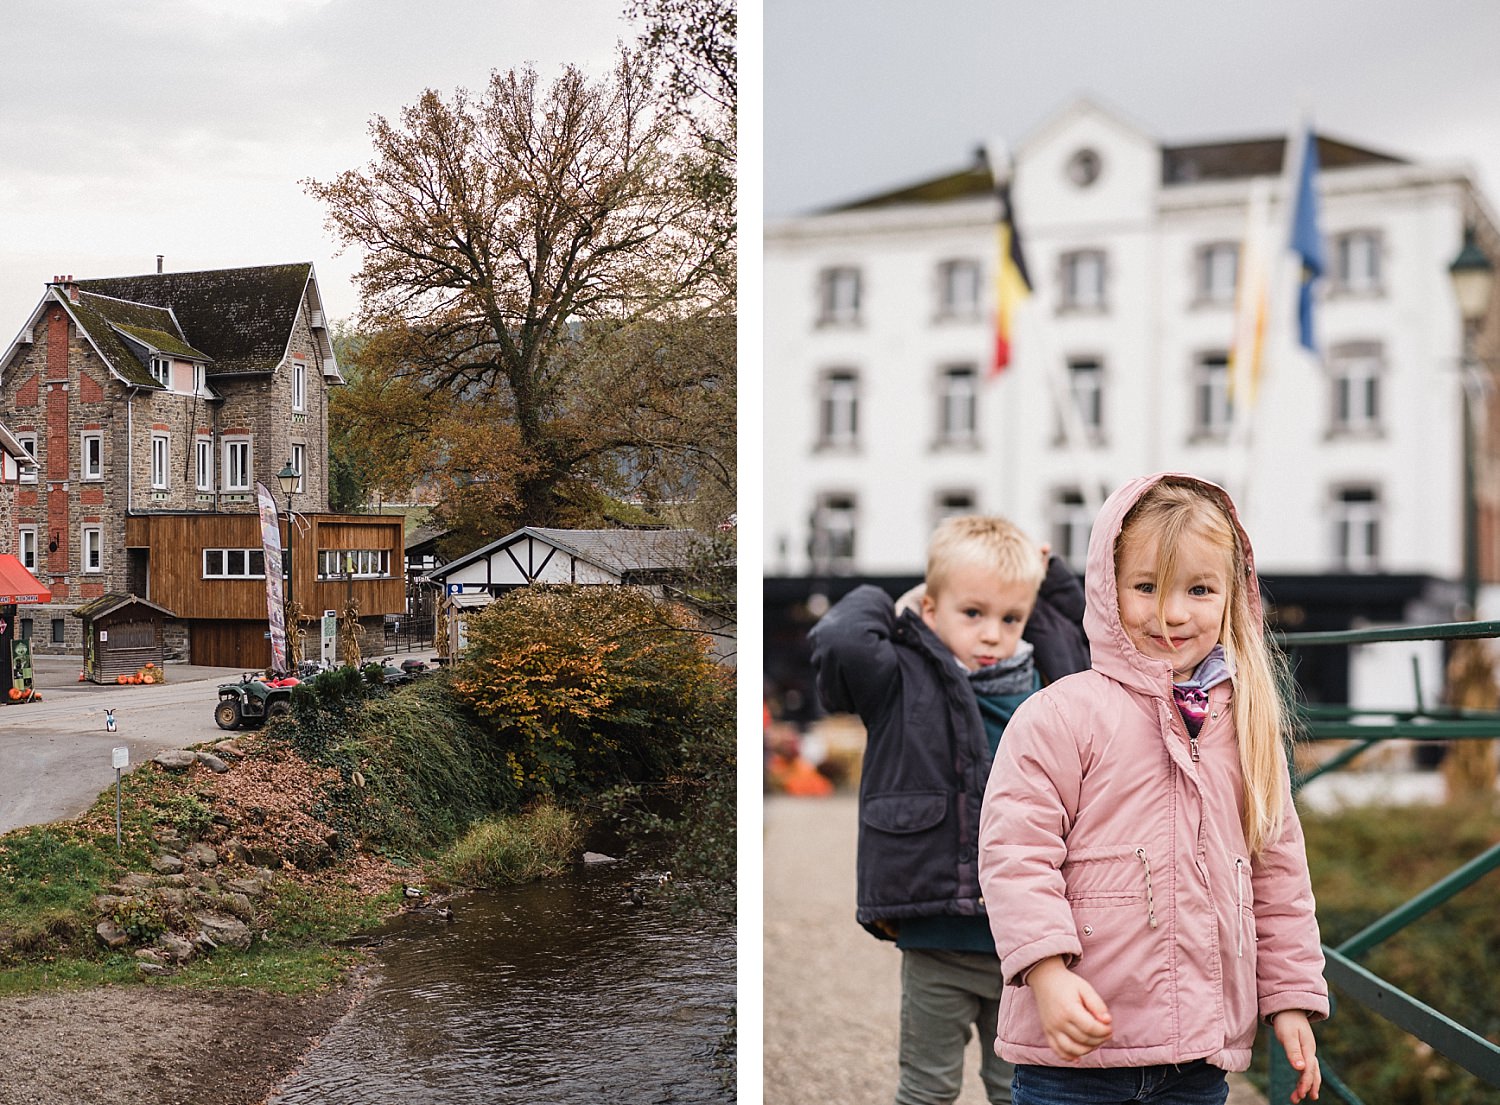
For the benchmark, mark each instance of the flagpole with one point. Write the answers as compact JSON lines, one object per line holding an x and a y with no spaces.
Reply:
{"x":1076,"y":442}
{"x":1281,"y":276}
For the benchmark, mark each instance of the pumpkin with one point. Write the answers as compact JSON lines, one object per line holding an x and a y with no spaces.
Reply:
{"x":15,"y":693}
{"x":122,"y":679}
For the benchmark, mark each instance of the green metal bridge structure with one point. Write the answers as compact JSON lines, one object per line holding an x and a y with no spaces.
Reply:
{"x":1364,"y":730}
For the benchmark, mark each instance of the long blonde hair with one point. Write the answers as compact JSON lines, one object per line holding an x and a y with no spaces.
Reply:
{"x":1167,"y":511}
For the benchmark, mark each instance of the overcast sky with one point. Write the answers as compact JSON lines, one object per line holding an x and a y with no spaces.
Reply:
{"x":861,"y":95}
{"x":130,"y":128}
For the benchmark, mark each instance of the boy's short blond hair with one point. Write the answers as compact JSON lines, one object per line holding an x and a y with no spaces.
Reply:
{"x":983,"y":539}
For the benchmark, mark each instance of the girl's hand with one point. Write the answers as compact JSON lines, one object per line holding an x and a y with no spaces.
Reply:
{"x":1074,"y":1016}
{"x":1296,"y":1036}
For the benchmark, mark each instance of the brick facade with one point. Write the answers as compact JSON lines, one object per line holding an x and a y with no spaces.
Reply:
{"x":61,"y":389}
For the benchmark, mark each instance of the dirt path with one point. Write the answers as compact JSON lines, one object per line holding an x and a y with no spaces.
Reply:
{"x":832,"y":992}
{"x":158,"y":1045}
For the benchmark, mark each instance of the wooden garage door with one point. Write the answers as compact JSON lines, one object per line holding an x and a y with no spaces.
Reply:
{"x":224,"y":644}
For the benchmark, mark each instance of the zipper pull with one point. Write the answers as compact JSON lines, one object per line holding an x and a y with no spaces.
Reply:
{"x":1193,"y":747}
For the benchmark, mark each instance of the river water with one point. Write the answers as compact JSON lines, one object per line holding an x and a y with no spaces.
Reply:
{"x":555,"y":992}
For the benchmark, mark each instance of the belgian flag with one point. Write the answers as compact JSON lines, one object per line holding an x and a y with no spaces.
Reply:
{"x":1012,"y":284}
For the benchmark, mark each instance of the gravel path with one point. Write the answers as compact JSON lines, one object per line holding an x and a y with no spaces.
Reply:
{"x":832,"y":992}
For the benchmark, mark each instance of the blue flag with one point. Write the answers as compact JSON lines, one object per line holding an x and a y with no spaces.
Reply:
{"x":1307,"y":241}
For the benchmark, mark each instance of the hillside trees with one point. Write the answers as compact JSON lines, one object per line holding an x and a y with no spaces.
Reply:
{"x":545,"y":324}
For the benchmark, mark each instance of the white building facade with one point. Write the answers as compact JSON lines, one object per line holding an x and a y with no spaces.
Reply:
{"x":882,"y":415}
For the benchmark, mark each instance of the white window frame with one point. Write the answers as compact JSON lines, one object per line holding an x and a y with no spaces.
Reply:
{"x":237,"y":464}
{"x":960,"y":284}
{"x":835,"y":531}
{"x":354,"y":563}
{"x":838,"y":408}
{"x":203,"y":453}
{"x":958,"y":404}
{"x":1356,"y":517}
{"x":26,"y":547}
{"x":161,"y":462}
{"x":1086,"y":391}
{"x":1084,"y":280}
{"x":91,"y":549}
{"x":299,"y":462}
{"x":952,"y":502}
{"x":161,"y":369}
{"x":299,"y":386}
{"x":28,"y":442}
{"x":840,"y":290}
{"x":1358,"y":262}
{"x":1355,"y":374}
{"x":200,"y":378}
{"x":1070,"y":524}
{"x":1212,"y":416}
{"x":234,"y":564}
{"x":1216,"y":272}
{"x":91,"y":467}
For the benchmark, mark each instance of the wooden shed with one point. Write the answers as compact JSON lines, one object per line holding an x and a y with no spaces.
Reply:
{"x":120,"y":634}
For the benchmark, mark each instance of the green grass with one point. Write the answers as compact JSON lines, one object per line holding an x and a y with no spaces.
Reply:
{"x":540,"y":842}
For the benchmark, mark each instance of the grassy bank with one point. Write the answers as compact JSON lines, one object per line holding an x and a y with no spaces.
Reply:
{"x":305,"y":852}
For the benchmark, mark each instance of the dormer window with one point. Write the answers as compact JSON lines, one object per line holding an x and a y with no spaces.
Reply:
{"x":161,"y":369}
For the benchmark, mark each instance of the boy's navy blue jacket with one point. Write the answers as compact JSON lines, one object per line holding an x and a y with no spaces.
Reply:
{"x":926,"y":756}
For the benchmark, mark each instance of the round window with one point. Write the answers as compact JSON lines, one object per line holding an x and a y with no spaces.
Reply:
{"x":1083,"y":168}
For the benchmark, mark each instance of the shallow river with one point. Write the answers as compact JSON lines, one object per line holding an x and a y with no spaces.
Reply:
{"x":558,"y":991}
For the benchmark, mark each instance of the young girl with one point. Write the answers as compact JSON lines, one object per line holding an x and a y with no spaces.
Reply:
{"x":1141,"y":859}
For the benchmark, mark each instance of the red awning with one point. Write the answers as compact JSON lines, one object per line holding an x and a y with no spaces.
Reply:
{"x":18,"y":586}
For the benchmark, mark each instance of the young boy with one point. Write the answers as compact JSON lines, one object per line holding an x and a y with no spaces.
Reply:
{"x":935,"y":677}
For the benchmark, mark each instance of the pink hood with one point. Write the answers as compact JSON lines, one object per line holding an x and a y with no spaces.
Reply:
{"x":1102,"y":840}
{"x":1111,"y":650}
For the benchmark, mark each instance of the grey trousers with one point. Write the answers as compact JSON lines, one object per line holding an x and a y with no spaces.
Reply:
{"x":945,"y":996}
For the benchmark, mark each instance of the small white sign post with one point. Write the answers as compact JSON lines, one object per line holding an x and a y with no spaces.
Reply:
{"x":120,"y":756}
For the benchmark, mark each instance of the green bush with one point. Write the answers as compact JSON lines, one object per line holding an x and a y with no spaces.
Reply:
{"x":588,"y":687}
{"x":416,"y":766}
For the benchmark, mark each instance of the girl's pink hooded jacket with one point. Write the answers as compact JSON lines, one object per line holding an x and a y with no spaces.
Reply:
{"x":1101,"y":840}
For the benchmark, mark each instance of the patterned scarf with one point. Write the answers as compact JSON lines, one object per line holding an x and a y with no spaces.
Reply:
{"x":1191,"y":695}
{"x":1012,"y":676}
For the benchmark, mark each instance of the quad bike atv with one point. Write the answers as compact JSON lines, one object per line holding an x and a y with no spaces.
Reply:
{"x":253,"y":701}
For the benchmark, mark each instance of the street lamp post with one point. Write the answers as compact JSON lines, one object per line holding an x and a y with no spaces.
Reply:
{"x":1473,"y":278}
{"x":289,"y":477}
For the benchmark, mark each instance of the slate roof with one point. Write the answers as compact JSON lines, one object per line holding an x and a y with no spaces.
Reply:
{"x":241,"y":318}
{"x":1179,"y":165}
{"x":104,"y":317}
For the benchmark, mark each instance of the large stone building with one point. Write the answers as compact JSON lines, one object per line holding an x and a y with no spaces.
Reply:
{"x":167,"y":396}
{"x":883,"y":417}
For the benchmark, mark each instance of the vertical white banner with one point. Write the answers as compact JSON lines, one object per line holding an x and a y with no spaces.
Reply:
{"x":270,"y":541}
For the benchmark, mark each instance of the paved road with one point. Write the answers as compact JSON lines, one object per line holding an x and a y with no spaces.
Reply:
{"x":55,"y":754}
{"x":832,"y":992}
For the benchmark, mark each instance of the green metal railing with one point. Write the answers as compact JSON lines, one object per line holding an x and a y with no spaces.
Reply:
{"x":1367,"y":729}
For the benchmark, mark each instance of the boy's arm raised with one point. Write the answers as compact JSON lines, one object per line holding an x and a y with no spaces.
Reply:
{"x":852,"y":651}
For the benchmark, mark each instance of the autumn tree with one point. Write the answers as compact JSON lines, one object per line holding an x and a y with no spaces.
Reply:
{"x":508,"y":238}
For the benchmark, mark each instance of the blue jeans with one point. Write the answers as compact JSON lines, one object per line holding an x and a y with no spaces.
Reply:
{"x":1194,"y":1083}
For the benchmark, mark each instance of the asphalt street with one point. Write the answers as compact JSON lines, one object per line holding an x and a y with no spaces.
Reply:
{"x":56,"y":754}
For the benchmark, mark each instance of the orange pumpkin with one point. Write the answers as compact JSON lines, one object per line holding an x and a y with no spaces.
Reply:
{"x":15,"y":693}
{"x":122,"y":679}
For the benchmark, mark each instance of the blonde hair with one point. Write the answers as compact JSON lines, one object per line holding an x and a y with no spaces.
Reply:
{"x":1169,"y":510}
{"x":989,"y":541}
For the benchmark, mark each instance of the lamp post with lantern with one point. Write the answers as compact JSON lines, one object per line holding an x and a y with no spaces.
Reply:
{"x":289,"y":478}
{"x":1473,"y":276}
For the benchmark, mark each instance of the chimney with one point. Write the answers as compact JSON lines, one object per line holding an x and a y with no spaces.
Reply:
{"x":158,"y":264}
{"x":66,"y":283}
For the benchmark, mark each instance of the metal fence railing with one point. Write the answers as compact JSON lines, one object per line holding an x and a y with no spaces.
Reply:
{"x":1368,"y":729}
